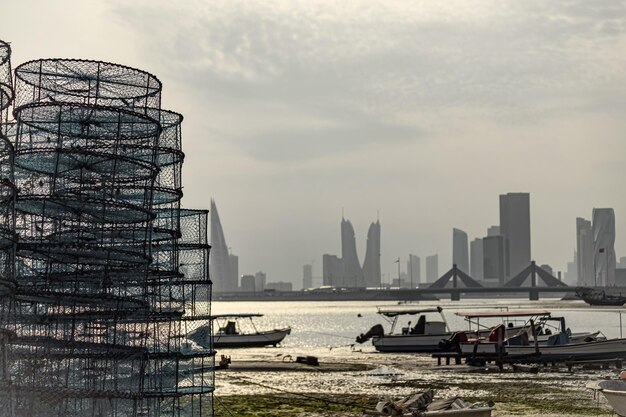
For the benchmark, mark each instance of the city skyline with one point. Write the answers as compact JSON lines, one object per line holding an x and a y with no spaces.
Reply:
{"x":492,"y":252}
{"x":423,"y":112}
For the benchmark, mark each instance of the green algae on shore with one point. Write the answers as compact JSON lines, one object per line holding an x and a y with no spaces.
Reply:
{"x":289,"y":405}
{"x":514,"y":397}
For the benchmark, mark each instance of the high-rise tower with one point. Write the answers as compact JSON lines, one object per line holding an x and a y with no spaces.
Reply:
{"x":515,"y":227}
{"x":604,"y":245}
{"x":459,"y":250}
{"x":307,"y":276}
{"x":584,"y":252}
{"x":220,"y":263}
{"x":371,"y":266}
{"x":432,"y":268}
{"x":494,"y":258}
{"x":352,"y":272}
{"x":477,"y":258}
{"x":414,"y":270}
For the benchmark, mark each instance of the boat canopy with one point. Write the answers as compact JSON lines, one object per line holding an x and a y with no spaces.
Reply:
{"x":235,"y":316}
{"x":512,"y":313}
{"x":394,"y":312}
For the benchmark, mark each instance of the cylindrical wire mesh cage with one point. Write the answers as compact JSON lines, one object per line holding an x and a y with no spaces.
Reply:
{"x":102,"y":275}
{"x":87,"y":82}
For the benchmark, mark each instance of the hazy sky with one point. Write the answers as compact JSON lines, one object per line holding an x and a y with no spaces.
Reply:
{"x":422,"y":111}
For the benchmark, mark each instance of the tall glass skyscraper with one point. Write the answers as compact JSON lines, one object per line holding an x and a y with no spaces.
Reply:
{"x":477,"y":258}
{"x":604,"y":245}
{"x":515,"y":227}
{"x":432,"y":268}
{"x":352,"y":272}
{"x":371,"y":266}
{"x":220,"y":263}
{"x":584,"y":252}
{"x":460,"y":255}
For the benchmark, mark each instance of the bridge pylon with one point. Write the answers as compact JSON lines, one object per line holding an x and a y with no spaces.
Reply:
{"x":456,"y":276}
{"x":535,"y":274}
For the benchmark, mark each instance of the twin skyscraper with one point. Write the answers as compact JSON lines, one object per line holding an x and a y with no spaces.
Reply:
{"x":346,"y":271}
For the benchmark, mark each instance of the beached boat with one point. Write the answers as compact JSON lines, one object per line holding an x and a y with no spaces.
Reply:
{"x":530,"y":345}
{"x":599,"y":297}
{"x":615,"y":392}
{"x":519,"y":321}
{"x":229,"y":334}
{"x":424,"y":336}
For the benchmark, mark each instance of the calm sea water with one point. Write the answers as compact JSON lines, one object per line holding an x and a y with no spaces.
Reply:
{"x":337,"y":323}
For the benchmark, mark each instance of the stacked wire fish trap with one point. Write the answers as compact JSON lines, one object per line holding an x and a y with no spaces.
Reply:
{"x":105,"y":273}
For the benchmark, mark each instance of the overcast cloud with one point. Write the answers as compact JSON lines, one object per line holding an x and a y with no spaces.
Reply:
{"x":422,"y":111}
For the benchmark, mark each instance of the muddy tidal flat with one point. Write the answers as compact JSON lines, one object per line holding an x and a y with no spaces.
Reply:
{"x":268,"y":382}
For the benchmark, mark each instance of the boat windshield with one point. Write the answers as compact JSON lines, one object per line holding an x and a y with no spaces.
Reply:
{"x":393,"y":314}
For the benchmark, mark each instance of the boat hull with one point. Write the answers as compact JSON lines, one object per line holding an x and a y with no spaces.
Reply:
{"x":615,"y":302}
{"x":603,"y":349}
{"x":599,"y":297}
{"x":266,"y":338}
{"x":423,"y":343}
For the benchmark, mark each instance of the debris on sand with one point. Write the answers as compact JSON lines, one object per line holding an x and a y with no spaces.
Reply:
{"x":422,"y":404}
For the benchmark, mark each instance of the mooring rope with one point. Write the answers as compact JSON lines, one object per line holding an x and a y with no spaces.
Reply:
{"x":332,"y":334}
{"x":300,"y":394}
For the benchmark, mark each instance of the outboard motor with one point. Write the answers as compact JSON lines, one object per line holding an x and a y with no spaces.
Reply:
{"x":453,"y":342}
{"x":376,"y":330}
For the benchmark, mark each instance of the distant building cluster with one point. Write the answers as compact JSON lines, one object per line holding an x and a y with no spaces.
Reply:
{"x":346,"y":271}
{"x":496,"y":257}
{"x":505,"y":251}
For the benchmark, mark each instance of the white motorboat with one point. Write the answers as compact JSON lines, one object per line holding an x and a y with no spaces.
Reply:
{"x":424,"y":336}
{"x":229,"y":334}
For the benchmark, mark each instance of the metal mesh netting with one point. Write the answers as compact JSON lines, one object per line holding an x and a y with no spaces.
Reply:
{"x":102,"y":274}
{"x":6,"y":90}
{"x":87,"y":82}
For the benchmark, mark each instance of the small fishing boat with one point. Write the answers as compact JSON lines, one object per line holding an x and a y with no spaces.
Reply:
{"x":599,"y":297}
{"x":532,"y":344}
{"x":424,"y":336}
{"x":230,"y":335}
{"x":519,"y":322}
